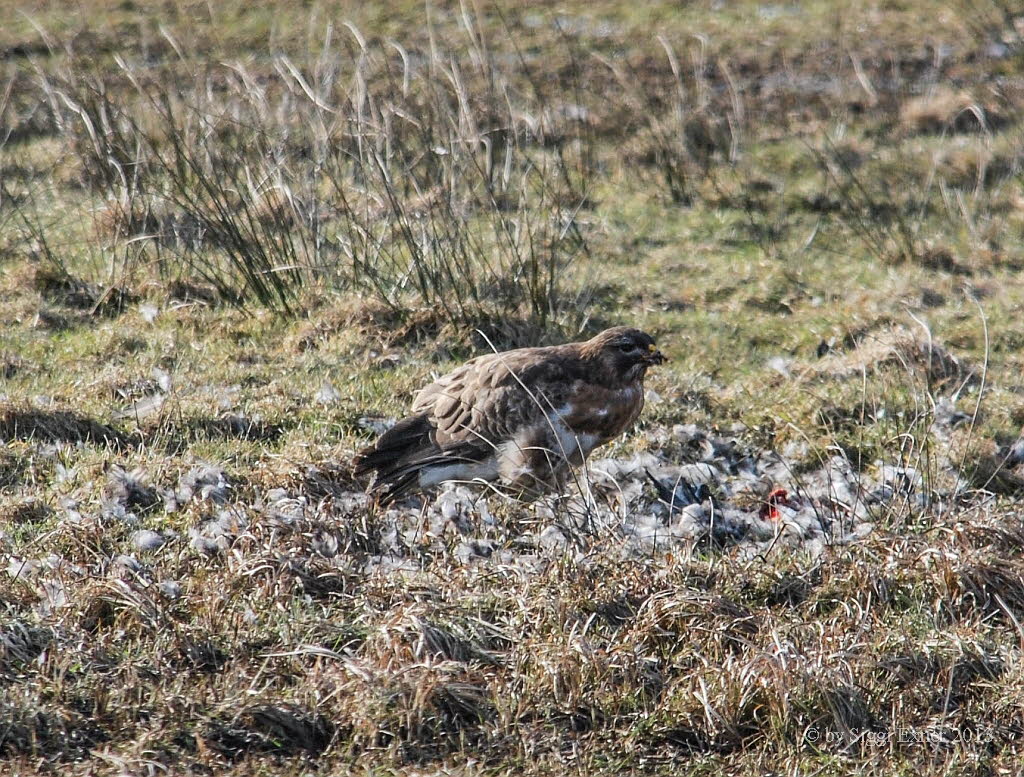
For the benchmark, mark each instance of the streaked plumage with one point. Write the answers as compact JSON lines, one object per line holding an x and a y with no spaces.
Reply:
{"x":520,"y":418}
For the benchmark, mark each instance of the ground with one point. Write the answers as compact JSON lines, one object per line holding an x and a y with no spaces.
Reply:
{"x":235,"y":238}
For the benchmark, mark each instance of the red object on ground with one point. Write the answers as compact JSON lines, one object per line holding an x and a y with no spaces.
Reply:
{"x":769,"y":510}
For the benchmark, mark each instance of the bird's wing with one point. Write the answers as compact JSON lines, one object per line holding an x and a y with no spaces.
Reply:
{"x":487,"y":400}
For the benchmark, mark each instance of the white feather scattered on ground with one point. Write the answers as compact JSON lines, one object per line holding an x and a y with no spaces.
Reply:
{"x":146,"y":539}
{"x":715,"y":500}
{"x":328,"y":395}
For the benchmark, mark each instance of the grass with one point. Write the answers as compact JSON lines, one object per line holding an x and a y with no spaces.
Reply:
{"x":235,"y":240}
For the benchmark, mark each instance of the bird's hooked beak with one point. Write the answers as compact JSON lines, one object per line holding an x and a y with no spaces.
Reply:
{"x":655,"y":356}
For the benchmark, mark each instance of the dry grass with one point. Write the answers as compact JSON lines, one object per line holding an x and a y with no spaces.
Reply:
{"x":270,"y":652}
{"x":55,"y":426}
{"x":946,"y":110}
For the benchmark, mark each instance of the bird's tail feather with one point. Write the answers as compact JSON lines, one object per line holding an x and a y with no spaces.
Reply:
{"x":406,"y":440}
{"x":399,"y":455}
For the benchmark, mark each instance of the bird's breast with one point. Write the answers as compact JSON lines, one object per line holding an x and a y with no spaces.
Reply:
{"x":598,"y":414}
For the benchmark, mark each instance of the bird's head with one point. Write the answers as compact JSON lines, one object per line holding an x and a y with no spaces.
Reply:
{"x":624,"y":353}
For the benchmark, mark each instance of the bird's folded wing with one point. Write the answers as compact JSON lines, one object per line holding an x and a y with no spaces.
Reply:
{"x":489,"y":399}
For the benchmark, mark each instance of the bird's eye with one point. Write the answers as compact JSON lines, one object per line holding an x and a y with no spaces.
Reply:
{"x":626,"y":347}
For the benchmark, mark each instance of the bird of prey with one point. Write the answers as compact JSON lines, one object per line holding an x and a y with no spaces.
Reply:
{"x":520,"y":419}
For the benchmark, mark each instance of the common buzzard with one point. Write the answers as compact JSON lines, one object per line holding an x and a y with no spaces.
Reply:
{"x":521,"y":418}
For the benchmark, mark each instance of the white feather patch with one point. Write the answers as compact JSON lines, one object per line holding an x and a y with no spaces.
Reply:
{"x":462,"y":470}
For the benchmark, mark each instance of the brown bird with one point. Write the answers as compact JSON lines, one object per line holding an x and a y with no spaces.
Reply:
{"x":520,"y":418}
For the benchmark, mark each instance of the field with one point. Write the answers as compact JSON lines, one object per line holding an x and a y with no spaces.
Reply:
{"x":235,"y":238}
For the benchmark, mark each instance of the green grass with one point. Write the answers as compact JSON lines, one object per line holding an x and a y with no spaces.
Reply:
{"x":792,"y":231}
